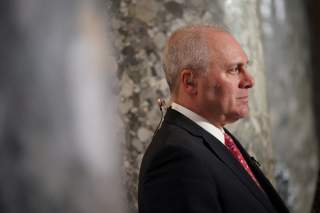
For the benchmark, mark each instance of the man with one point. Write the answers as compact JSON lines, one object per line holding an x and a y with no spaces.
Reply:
{"x":193,"y":164}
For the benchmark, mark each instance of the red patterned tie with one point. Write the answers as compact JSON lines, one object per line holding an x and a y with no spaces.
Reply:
{"x":237,"y":154}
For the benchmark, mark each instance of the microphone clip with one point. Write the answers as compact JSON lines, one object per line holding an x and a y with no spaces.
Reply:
{"x":162,"y":104}
{"x":255,"y":161}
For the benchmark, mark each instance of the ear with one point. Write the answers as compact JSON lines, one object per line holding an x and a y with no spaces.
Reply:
{"x":188,"y":81}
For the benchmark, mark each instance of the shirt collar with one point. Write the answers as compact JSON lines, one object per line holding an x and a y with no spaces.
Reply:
{"x":202,"y":122}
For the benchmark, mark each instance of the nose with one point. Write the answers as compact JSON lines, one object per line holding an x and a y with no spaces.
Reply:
{"x":247,"y":80}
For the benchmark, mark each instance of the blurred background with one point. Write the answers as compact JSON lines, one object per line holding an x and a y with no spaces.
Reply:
{"x":80,"y":79}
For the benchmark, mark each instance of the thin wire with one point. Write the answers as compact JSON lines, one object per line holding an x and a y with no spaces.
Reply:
{"x":161,"y":104}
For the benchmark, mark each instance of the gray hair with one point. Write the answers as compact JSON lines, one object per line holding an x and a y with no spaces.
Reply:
{"x":187,"y":48}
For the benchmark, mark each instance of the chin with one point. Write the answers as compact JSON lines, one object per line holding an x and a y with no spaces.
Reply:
{"x":244,"y":111}
{"x":237,"y":114}
{"x":243,"y":114}
{"x":240,"y":114}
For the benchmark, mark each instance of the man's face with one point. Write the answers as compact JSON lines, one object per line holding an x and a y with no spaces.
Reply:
{"x":223,"y":90}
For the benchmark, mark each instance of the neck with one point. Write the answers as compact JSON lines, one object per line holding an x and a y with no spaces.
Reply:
{"x":193,"y":107}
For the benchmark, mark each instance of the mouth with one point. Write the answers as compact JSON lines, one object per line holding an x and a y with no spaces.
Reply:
{"x":243,"y":99}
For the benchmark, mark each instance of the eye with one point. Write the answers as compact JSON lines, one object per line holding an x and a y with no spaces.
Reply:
{"x":235,"y":70}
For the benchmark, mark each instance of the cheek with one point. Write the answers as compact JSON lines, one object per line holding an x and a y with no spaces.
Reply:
{"x":218,"y":95}
{"x":217,"y":90}
{"x":224,"y":93}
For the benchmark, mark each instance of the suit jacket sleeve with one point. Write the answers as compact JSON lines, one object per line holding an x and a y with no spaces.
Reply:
{"x":176,"y":180}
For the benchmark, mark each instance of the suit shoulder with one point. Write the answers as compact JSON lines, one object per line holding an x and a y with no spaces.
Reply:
{"x":174,"y":147}
{"x":176,"y":138}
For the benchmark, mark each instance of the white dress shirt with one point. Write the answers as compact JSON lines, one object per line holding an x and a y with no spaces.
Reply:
{"x":202,"y":122}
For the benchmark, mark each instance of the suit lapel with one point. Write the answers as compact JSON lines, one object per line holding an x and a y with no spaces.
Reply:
{"x":220,"y":151}
{"x":226,"y":157}
{"x":264,"y":182}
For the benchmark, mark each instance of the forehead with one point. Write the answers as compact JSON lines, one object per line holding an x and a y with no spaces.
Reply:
{"x":225,"y":47}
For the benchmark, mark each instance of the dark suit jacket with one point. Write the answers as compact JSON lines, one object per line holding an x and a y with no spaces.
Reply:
{"x":185,"y":169}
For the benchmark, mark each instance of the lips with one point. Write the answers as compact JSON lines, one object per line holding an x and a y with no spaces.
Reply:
{"x":243,"y":99}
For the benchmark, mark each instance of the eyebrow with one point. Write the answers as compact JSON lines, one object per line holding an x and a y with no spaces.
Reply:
{"x":240,"y":63}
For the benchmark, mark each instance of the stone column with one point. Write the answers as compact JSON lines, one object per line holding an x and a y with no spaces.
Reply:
{"x":287,"y":54}
{"x":141,"y":28}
